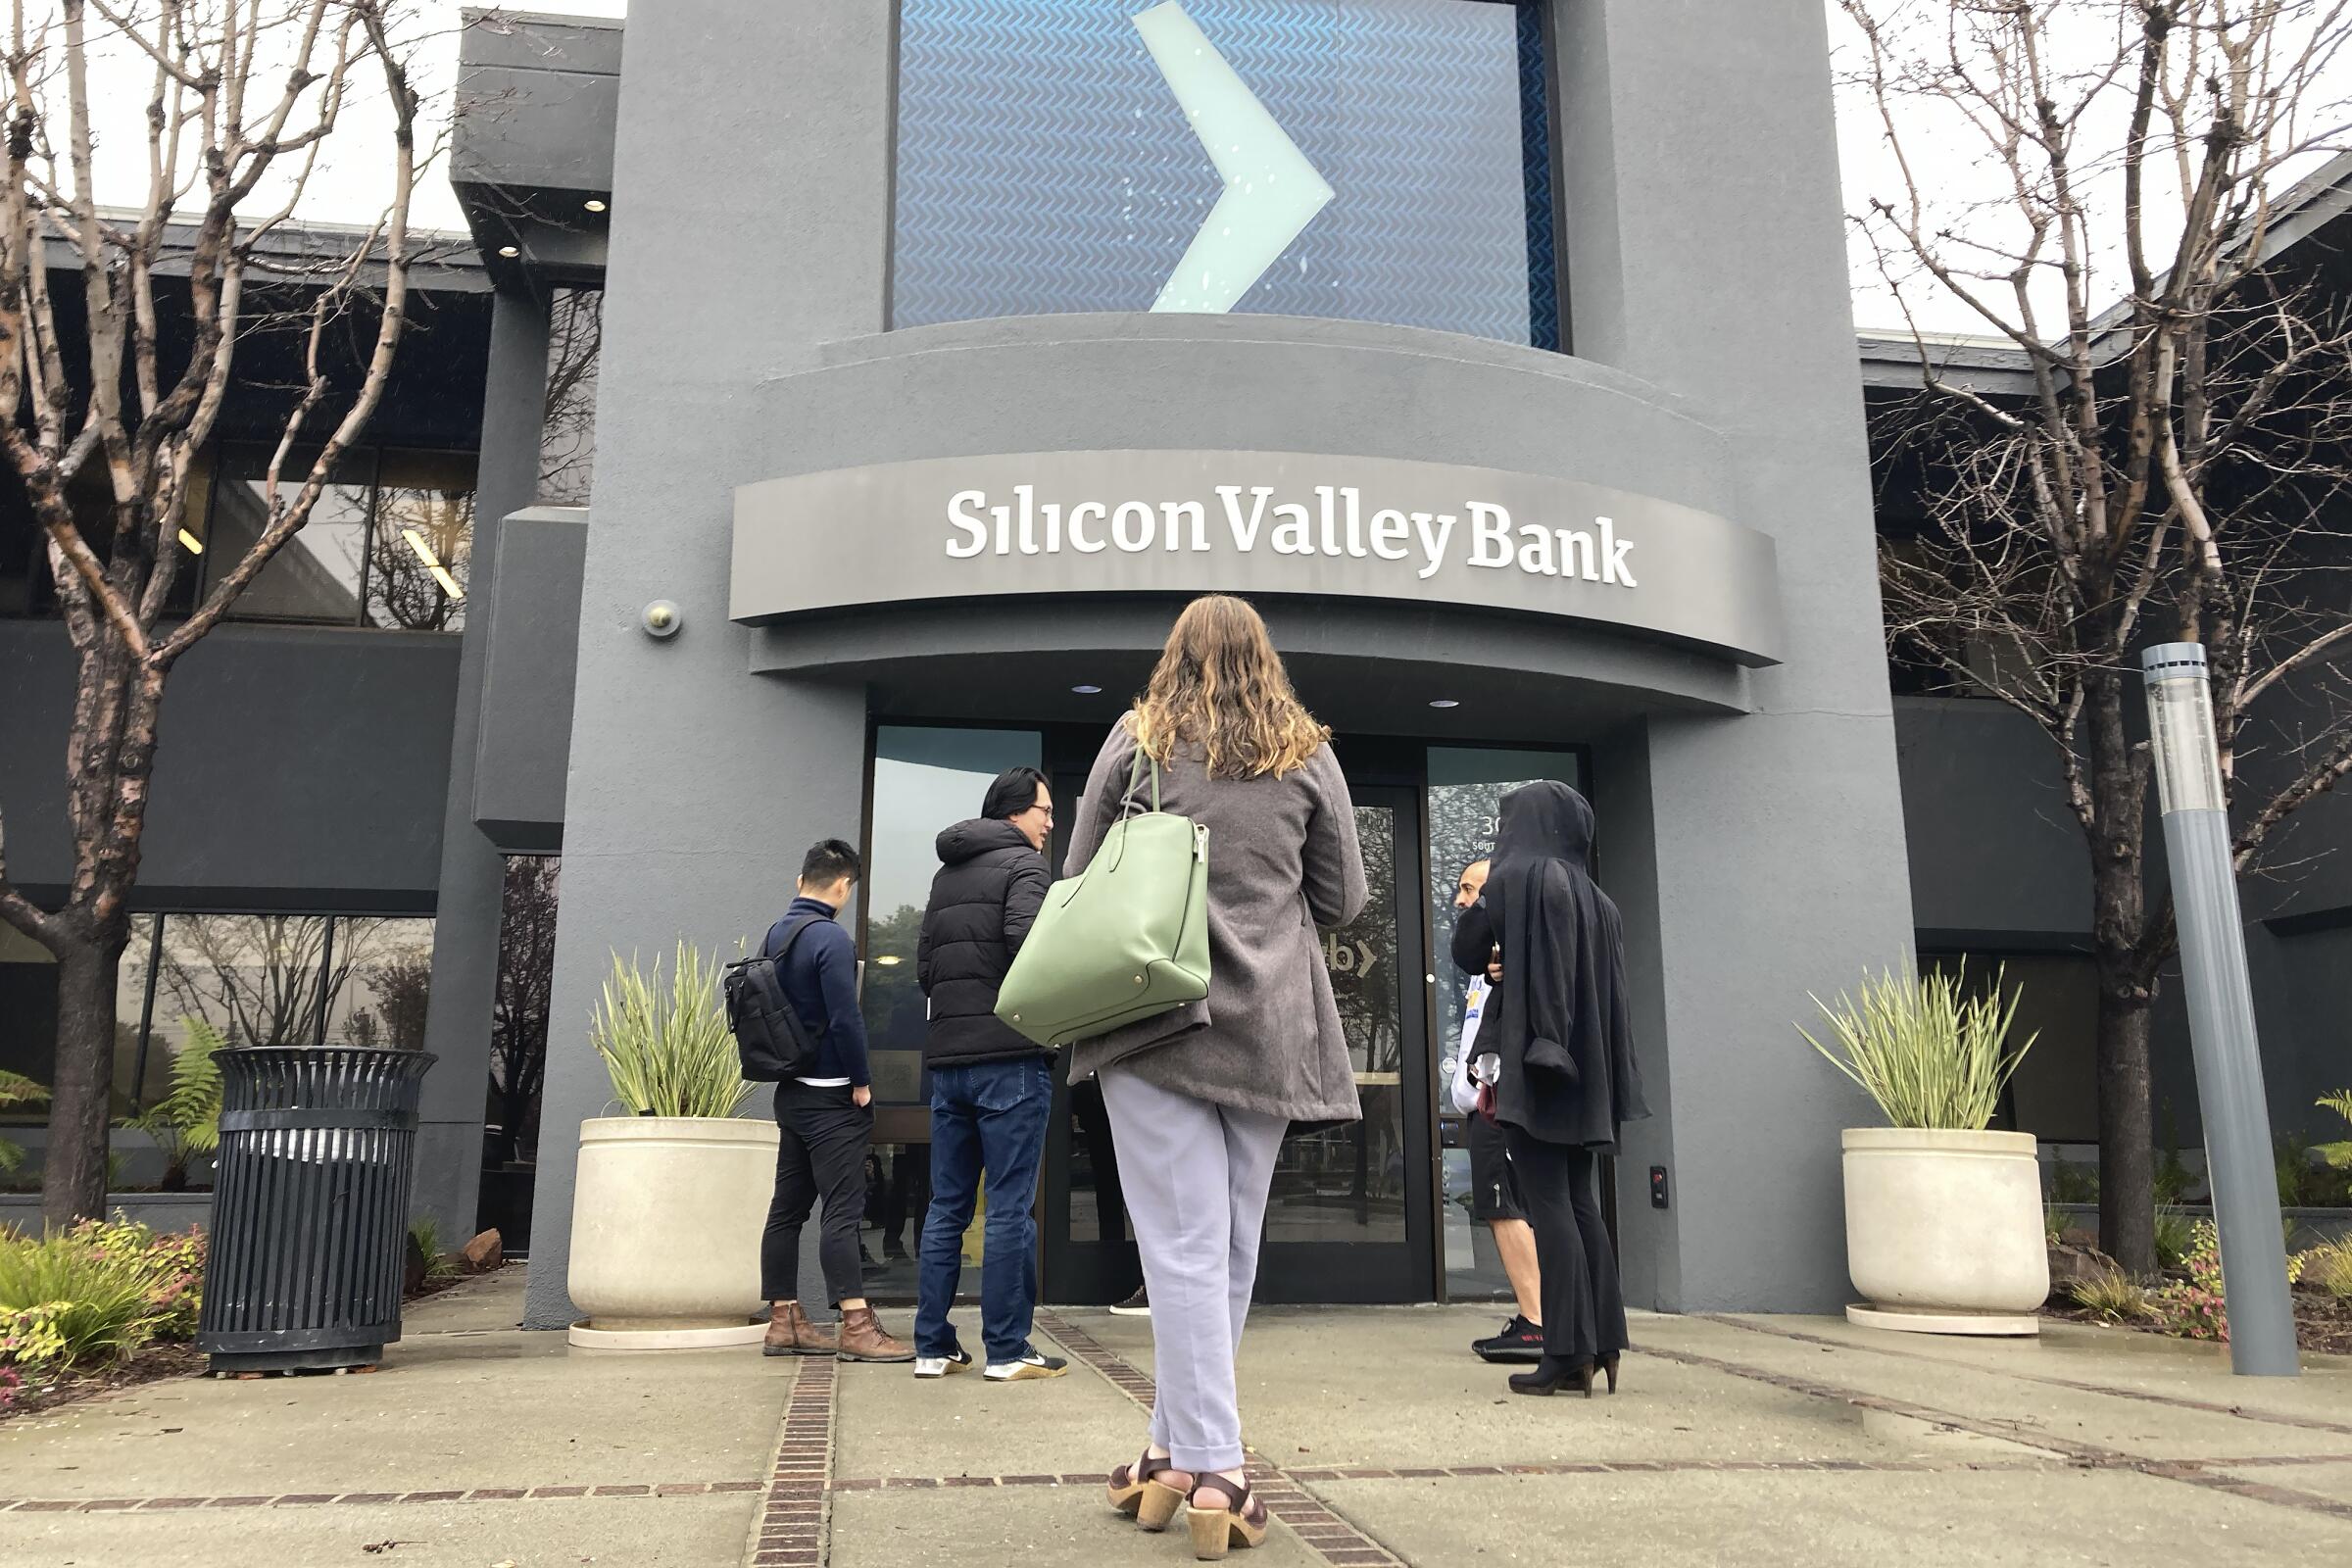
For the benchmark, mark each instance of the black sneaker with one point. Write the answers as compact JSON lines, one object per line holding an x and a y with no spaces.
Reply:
{"x":1035,"y":1364}
{"x":1519,"y":1340}
{"x":1137,"y":1305}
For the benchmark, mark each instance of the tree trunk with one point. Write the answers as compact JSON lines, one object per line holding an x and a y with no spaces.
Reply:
{"x":73,"y":1176}
{"x":2119,"y":784}
{"x":2127,"y":1136}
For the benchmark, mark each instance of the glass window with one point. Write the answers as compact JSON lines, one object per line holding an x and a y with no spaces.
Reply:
{"x":318,"y":575}
{"x":27,"y":1018}
{"x":423,"y":546}
{"x":377,"y":978}
{"x":2055,"y":1093}
{"x":568,"y":434}
{"x":256,"y":978}
{"x":925,"y":779}
{"x":1045,"y":162}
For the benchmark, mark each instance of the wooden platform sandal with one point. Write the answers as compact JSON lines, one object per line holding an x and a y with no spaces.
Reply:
{"x":1136,"y":1489}
{"x":1240,"y":1522}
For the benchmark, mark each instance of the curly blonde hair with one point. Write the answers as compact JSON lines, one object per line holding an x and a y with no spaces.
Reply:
{"x":1220,"y":686}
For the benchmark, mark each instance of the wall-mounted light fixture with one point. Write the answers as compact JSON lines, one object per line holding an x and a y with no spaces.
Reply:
{"x":594,"y":205}
{"x":661,"y":618}
{"x":509,"y":251}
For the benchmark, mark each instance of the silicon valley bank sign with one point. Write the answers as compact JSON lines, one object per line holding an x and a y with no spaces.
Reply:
{"x":1252,"y":523}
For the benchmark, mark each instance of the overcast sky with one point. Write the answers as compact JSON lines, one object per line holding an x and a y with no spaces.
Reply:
{"x":353,"y":182}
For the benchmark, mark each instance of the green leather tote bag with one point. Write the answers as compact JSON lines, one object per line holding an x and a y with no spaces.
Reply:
{"x":1125,"y":939}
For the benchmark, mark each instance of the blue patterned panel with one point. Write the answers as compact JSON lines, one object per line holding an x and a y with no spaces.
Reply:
{"x":1043,"y":165}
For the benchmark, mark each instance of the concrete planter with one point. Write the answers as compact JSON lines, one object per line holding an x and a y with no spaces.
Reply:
{"x":1943,"y":1230}
{"x":666,"y":1221}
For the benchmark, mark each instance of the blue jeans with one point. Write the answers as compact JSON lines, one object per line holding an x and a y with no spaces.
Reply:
{"x":989,"y":1115}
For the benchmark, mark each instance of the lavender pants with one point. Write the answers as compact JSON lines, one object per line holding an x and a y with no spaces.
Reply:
{"x":1195,"y":1176}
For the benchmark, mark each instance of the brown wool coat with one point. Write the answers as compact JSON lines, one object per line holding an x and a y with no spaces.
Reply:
{"x":1283,"y":858}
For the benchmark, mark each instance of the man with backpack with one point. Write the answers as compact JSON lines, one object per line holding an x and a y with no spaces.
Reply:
{"x":824,"y":1110}
{"x":992,"y":1088}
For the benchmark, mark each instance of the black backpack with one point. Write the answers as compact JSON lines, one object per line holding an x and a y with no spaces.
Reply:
{"x":771,"y":1037}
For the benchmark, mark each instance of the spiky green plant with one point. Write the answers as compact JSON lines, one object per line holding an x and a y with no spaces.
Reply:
{"x":2111,"y":1295}
{"x":185,"y":1123}
{"x":667,"y":1046}
{"x":425,"y":1232}
{"x":2328,"y":1266}
{"x":1929,"y":1055}
{"x":2173,"y":1237}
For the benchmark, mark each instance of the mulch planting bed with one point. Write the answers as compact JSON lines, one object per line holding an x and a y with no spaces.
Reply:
{"x":2323,"y":1324}
{"x":153,"y":1364}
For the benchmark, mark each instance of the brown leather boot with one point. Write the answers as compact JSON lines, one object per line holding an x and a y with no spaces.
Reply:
{"x":790,"y":1332}
{"x":862,"y":1339}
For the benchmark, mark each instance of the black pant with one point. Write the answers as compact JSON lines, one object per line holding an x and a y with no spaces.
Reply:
{"x":822,"y":1152}
{"x":909,"y":1192}
{"x":1584,"y":1304}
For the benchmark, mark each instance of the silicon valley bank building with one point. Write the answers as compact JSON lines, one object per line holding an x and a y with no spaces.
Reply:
{"x":1500,"y":353}
{"x":949,"y":346}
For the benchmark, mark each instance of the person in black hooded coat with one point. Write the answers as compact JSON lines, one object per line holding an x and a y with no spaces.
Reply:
{"x":1567,"y":1080}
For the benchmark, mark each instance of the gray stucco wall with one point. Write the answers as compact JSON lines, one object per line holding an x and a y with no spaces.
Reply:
{"x":296,"y":767}
{"x":681,"y":760}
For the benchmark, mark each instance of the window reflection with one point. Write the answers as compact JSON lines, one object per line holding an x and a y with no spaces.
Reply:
{"x":316,"y":574}
{"x":378,"y":981}
{"x":388,"y":543}
{"x":1466,"y":787}
{"x":424,"y":541}
{"x":1348,"y":1183}
{"x":925,"y":779}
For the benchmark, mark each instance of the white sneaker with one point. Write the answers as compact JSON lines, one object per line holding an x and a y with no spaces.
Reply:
{"x":1032,"y":1365}
{"x":939,"y":1366}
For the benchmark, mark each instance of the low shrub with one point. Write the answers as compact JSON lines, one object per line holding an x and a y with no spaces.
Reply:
{"x":2194,"y":1308}
{"x":95,"y":1293}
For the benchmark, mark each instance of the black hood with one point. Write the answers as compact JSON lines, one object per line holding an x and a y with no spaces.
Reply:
{"x":1545,"y":821}
{"x":966,"y":841}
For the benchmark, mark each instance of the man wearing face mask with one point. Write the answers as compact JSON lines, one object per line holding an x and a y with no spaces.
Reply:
{"x":1493,"y":1185}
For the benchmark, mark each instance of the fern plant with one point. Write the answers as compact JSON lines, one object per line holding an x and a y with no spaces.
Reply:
{"x":17,"y":1090}
{"x":185,"y":1123}
{"x":667,"y":1046}
{"x":2338,"y":1155}
{"x":1929,"y":1055}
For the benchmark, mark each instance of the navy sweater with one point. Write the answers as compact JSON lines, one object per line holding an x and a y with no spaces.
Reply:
{"x":821,"y":981}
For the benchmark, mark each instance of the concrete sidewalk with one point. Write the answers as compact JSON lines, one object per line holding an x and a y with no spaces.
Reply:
{"x":1378,"y":1438}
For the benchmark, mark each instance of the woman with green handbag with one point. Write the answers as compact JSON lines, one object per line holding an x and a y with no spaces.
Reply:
{"x":1199,"y":1096}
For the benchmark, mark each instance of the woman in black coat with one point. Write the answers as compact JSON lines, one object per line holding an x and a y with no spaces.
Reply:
{"x":1566,"y":1081}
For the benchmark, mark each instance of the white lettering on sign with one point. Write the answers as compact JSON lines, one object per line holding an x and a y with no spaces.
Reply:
{"x":1335,"y":523}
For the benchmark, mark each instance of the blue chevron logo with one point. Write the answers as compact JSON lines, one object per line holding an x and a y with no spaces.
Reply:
{"x":1271,"y":191}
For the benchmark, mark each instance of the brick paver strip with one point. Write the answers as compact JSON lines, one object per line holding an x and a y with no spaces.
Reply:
{"x":791,"y":1527}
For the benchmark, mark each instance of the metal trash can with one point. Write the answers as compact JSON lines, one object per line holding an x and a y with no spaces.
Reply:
{"x":310,"y":1207}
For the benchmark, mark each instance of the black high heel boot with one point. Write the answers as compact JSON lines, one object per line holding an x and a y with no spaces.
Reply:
{"x":1552,"y":1375}
{"x":1608,"y":1368}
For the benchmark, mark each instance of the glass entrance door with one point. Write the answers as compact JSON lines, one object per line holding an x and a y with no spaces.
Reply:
{"x":1350,"y":1217}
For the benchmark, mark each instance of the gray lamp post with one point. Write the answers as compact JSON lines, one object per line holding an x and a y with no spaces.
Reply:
{"x":2221,"y":1013}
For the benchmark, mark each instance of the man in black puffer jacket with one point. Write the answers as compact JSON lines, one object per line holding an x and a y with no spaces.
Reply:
{"x":992,"y":1088}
